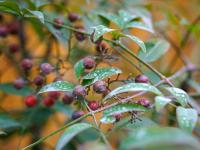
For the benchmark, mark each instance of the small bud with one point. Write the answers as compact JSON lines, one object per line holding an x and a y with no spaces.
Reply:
{"x":89,"y":62}
{"x":68,"y":98}
{"x":141,"y":79}
{"x":19,"y":83}
{"x":58,"y":23}
{"x":73,"y":17}
{"x":79,"y":91}
{"x":144,"y":102}
{"x":46,"y":68}
{"x":26,"y":64}
{"x":118,"y":117}
{"x":3,"y":31}
{"x":30,"y":101}
{"x":38,"y":80}
{"x":14,"y":48}
{"x":77,"y":114}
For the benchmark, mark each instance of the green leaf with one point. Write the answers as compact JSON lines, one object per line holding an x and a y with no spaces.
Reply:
{"x":133,"y":87}
{"x":79,"y":68}
{"x":107,"y":119}
{"x":40,"y":3}
{"x":187,"y":118}
{"x":139,"y":25}
{"x":121,"y":108}
{"x":62,"y":35}
{"x":9,"y":89}
{"x":155,"y":49}
{"x":38,"y":14}
{"x":161,"y":102}
{"x":65,"y":109}
{"x":137,"y":41}
{"x":157,"y":138}
{"x":10,"y":7}
{"x":8,"y":124}
{"x":100,"y":31}
{"x":100,"y":74}
{"x":57,"y":86}
{"x":181,"y":96}
{"x":70,"y":132}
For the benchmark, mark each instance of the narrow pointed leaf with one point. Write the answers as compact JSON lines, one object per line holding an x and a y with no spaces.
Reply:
{"x":161,"y":102}
{"x":38,"y":14}
{"x":100,"y":74}
{"x":133,"y":87}
{"x":122,"y":108}
{"x":79,"y":68}
{"x":155,"y":49}
{"x":57,"y":86}
{"x":187,"y":118}
{"x":138,"y":42}
{"x":139,"y":25}
{"x":181,"y":96}
{"x":71,"y":132}
{"x":100,"y":31}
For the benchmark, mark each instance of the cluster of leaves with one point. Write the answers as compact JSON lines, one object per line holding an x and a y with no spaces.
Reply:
{"x":118,"y":106}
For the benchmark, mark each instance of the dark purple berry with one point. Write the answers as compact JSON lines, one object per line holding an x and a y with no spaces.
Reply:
{"x":79,"y":91}
{"x":13,"y":27}
{"x":19,"y":83}
{"x":46,"y":68}
{"x":100,"y":87}
{"x":30,"y":101}
{"x":101,"y":48}
{"x":3,"y":31}
{"x":48,"y":101}
{"x":38,"y":80}
{"x":58,"y":23}
{"x":26,"y":64}
{"x":80,"y":36}
{"x":73,"y":17}
{"x":144,"y":102}
{"x":89,"y":62}
{"x":77,"y":114}
{"x":141,"y":79}
{"x":14,"y":48}
{"x":93,"y":105}
{"x":68,"y":98}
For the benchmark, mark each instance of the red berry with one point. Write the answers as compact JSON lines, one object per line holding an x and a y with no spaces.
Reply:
{"x":77,"y":114}
{"x":58,"y":23}
{"x":54,"y":94}
{"x":3,"y":31}
{"x":79,"y":91}
{"x":68,"y":98}
{"x":89,"y":62}
{"x":141,"y":79}
{"x":26,"y":64}
{"x":100,"y":87}
{"x":19,"y":83}
{"x":46,"y":68}
{"x":30,"y":101}
{"x":13,"y":27}
{"x":48,"y":101}
{"x":101,"y":48}
{"x":73,"y":17}
{"x":38,"y":80}
{"x":14,"y":48}
{"x":93,"y":105}
{"x":144,"y":102}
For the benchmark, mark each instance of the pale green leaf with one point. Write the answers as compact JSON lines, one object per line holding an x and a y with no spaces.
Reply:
{"x":79,"y":68}
{"x":139,"y":25}
{"x":187,"y":118}
{"x":161,"y":102}
{"x":38,"y":14}
{"x":107,"y":119}
{"x":57,"y":86}
{"x":154,"y":50}
{"x":181,"y":96}
{"x":70,"y":133}
{"x":133,"y":87}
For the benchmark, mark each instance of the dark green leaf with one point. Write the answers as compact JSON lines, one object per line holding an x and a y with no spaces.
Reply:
{"x":70,"y":132}
{"x":79,"y":68}
{"x":10,"y":7}
{"x":187,"y":118}
{"x":9,"y":89}
{"x":57,"y":86}
{"x":60,"y":107}
{"x":156,"y":138}
{"x":155,"y":49}
{"x":133,"y":87}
